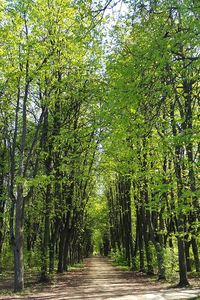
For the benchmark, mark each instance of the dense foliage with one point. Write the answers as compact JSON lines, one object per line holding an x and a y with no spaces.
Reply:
{"x":99,"y":129}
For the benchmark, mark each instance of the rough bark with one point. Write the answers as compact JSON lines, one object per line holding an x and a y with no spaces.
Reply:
{"x":180,"y":217}
{"x":18,"y":243}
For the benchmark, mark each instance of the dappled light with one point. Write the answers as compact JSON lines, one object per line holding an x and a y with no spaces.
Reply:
{"x":100,"y":281}
{"x":99,"y":149}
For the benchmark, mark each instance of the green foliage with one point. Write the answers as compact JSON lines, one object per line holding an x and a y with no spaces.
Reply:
{"x":119,"y":259}
{"x":76,"y":266}
{"x":96,"y":146}
{"x":171,"y":258}
{"x":98,"y":220}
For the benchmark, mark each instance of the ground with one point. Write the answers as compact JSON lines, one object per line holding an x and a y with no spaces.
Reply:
{"x":99,"y":280}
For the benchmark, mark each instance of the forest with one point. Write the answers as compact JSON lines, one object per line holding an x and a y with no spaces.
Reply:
{"x":99,"y":136}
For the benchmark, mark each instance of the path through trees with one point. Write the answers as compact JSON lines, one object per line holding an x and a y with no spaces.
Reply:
{"x":99,"y":136}
{"x":100,"y":281}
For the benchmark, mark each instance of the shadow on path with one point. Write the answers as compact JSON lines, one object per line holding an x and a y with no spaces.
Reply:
{"x":100,"y":281}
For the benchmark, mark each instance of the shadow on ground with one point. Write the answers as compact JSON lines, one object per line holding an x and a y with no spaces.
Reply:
{"x":100,"y":281}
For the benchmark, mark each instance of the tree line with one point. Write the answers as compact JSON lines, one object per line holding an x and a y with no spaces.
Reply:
{"x":79,"y":126}
{"x":153,"y":138}
{"x":49,"y":134}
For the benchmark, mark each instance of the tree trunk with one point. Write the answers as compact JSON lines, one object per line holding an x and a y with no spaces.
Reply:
{"x":61,"y":250}
{"x":140,"y":243}
{"x":66,"y":252}
{"x":160,"y":261}
{"x":180,"y":217}
{"x":46,"y":237}
{"x":187,"y":255}
{"x":2,"y":205}
{"x":51,"y":255}
{"x":182,"y":263}
{"x":45,"y":245}
{"x":148,"y":257}
{"x":196,"y":254}
{"x":18,"y":242}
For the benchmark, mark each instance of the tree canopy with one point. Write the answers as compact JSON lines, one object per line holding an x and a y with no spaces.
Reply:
{"x":99,"y":130}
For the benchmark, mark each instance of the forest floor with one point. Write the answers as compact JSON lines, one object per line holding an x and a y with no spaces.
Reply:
{"x":99,"y":280}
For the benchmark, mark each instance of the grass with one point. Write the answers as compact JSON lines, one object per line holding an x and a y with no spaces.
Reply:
{"x":76,"y":266}
{"x":6,"y":292}
{"x":120,"y":266}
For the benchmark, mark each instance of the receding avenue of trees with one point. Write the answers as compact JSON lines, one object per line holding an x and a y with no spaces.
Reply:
{"x":100,"y":136}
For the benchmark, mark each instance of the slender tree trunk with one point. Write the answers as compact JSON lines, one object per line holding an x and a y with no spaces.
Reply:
{"x":52,"y":245}
{"x":46,"y":238}
{"x":2,"y":201}
{"x":18,"y":243}
{"x":195,"y":215}
{"x":140,"y":242}
{"x":145,"y":213}
{"x":112,"y":219}
{"x":51,"y":255}
{"x":196,"y":254}
{"x":147,"y":244}
{"x":187,"y":255}
{"x":157,"y":241}
{"x":180,"y":217}
{"x":61,"y":249}
{"x":182,"y":263}
{"x":66,"y":251}
{"x":160,"y":261}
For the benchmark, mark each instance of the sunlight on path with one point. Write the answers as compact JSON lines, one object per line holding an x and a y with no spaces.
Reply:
{"x":105,"y":282}
{"x":101,"y":281}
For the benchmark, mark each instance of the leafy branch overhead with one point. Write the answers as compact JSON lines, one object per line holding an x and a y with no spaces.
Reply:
{"x":99,"y":130}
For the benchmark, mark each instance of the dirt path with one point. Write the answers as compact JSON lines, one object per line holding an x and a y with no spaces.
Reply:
{"x":100,"y":281}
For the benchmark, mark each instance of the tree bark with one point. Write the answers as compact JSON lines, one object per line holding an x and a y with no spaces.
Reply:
{"x":196,"y":254}
{"x":18,"y":243}
{"x":180,"y":217}
{"x":187,"y":255}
